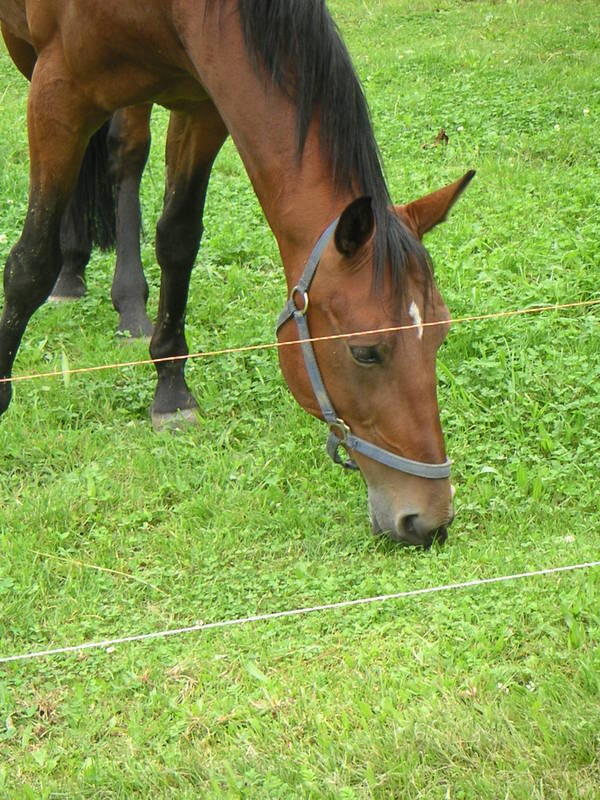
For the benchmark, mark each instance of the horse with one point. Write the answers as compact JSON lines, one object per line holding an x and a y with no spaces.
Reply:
{"x":279,"y":80}
{"x":104,"y":208}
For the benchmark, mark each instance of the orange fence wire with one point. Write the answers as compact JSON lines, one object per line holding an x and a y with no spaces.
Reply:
{"x":276,"y":345}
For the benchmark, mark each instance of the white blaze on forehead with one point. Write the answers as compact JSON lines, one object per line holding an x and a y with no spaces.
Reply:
{"x":415,"y":315}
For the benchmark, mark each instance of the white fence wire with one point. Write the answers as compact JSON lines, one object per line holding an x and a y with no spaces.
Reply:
{"x":295,"y":612}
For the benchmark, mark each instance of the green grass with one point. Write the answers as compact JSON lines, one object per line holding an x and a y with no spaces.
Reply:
{"x":483,"y":693}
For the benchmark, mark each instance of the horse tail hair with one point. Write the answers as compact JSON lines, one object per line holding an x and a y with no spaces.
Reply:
{"x":93,"y":204}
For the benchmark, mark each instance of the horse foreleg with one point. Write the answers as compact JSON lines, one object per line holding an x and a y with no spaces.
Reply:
{"x":193,"y":141}
{"x":58,"y":130}
{"x":129,"y":144}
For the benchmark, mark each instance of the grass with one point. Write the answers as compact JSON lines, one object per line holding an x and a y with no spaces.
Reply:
{"x":484,"y":693}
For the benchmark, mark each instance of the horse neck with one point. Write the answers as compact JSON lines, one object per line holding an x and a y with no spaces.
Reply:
{"x":297,"y":194}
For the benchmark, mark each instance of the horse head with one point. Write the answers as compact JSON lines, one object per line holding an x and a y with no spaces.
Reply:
{"x":381,"y":385}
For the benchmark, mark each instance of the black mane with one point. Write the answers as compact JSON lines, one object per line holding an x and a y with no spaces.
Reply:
{"x":298,"y":45}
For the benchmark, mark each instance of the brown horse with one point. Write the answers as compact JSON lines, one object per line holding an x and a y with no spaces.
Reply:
{"x":278,"y":79}
{"x":112,"y":169}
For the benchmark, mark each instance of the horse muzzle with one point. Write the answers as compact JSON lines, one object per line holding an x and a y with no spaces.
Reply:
{"x":415,"y":529}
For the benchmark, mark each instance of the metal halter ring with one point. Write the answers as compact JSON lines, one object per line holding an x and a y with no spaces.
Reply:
{"x":340,"y":425}
{"x":304,"y":298}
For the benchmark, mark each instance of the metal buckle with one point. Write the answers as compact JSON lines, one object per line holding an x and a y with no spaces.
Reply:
{"x":344,"y":429}
{"x":303,"y":310}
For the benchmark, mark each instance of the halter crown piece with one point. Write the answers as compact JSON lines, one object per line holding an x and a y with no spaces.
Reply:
{"x":339,"y":432}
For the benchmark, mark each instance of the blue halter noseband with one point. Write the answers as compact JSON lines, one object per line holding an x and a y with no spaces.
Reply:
{"x":339,"y":432}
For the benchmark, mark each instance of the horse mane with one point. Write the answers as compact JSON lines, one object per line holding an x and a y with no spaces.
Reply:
{"x":297,"y":45}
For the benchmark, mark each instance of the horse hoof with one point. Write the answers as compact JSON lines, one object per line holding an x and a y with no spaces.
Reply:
{"x":5,"y":395}
{"x":136,"y":327}
{"x":125,"y":338}
{"x":175,"y":420}
{"x":58,"y":299}
{"x":68,"y":288}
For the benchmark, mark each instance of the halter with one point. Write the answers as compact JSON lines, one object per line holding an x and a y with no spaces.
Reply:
{"x":340,"y":434}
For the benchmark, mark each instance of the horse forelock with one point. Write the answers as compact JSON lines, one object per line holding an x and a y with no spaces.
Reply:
{"x":397,"y":246}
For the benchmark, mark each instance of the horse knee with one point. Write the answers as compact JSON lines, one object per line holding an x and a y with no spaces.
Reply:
{"x":177,"y":243}
{"x":30,"y":273}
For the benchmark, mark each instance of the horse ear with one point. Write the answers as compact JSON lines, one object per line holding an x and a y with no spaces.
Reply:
{"x":432,"y":209}
{"x":354,"y":227}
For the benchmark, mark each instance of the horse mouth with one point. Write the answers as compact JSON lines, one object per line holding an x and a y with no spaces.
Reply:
{"x":438,"y":537}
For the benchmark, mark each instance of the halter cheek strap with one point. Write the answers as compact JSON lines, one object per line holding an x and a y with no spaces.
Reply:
{"x":339,"y":431}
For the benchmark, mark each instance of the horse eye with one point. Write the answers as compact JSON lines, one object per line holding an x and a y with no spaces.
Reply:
{"x":366,"y":355}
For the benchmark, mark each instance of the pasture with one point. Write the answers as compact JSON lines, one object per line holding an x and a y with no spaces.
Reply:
{"x":109,"y":529}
